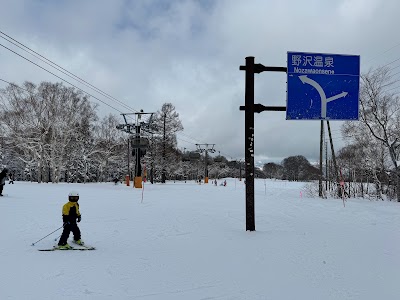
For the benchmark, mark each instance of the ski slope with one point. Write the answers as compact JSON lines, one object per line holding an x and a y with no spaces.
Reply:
{"x":188,"y":241}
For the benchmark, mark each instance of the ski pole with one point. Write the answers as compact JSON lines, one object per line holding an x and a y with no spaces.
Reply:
{"x":57,"y":238}
{"x":33,"y":244}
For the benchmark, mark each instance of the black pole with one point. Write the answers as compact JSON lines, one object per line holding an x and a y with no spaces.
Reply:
{"x":326,"y":167}
{"x":152,"y":173}
{"x":249,"y":143}
{"x":320,"y":190}
{"x":138,"y":167}
{"x":250,"y":108}
{"x":334,"y":161}
{"x":33,"y":244}
{"x":164,"y":153}
{"x":129,"y":158}
{"x":206,"y":167}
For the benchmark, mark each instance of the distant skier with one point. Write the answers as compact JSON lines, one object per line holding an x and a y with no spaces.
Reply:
{"x":71,"y":215}
{"x":3,"y":176}
{"x":11,"y":178}
{"x":224,"y":182}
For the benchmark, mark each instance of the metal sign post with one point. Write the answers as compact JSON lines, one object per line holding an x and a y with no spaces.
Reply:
{"x":319,"y":87}
{"x":250,"y":108}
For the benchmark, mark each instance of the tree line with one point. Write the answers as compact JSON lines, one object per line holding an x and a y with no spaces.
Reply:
{"x":52,"y":133}
{"x":372,"y":153}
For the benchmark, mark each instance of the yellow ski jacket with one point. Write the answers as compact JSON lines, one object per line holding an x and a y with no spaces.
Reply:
{"x":70,"y":211}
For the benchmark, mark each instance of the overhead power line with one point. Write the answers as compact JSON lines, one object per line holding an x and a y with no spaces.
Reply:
{"x":59,"y":77}
{"x":71,"y":75}
{"x":61,"y":69}
{"x":185,"y":141}
{"x":10,"y":83}
{"x":386,"y":51}
{"x":398,"y":66}
{"x":391,"y":62}
{"x":396,"y":87}
{"x":13,"y":84}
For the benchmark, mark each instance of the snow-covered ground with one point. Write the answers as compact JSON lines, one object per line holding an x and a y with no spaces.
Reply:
{"x":188,"y":241}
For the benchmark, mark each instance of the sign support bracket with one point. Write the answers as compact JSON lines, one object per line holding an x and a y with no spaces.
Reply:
{"x":250,"y":108}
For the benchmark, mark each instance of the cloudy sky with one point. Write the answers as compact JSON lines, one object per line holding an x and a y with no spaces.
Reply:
{"x":144,"y":53}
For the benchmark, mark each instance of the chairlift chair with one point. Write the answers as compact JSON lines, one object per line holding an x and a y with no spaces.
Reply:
{"x":218,"y":159}
{"x":139,"y":143}
{"x":194,"y":155}
{"x":185,"y":157}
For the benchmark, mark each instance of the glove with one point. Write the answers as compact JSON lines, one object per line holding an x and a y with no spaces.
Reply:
{"x":79,"y":219}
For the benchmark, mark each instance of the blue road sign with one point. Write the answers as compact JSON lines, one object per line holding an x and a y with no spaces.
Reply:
{"x":322,"y":86}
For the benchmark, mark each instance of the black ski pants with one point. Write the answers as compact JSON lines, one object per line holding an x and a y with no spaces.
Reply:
{"x":67,"y":230}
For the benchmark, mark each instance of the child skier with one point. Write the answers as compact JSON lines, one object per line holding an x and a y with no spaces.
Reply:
{"x":71,"y":215}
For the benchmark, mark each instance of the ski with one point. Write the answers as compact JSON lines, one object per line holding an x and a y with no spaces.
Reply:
{"x":83,"y":247}
{"x":77,"y":248}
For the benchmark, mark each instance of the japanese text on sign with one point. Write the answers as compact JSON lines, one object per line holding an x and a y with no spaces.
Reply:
{"x":316,"y":61}
{"x":312,"y":61}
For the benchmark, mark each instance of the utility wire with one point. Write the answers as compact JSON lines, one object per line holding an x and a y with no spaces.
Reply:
{"x":185,"y":135}
{"x":394,"y":68}
{"x":188,"y":136}
{"x":58,"y":67}
{"x":77,"y":88}
{"x":13,"y":84}
{"x":69,"y":74}
{"x":72,"y":76}
{"x":390,"y":62}
{"x":59,"y":77}
{"x":396,"y":87}
{"x":185,"y":141}
{"x":28,"y":91}
{"x":62,"y":70}
{"x":386,"y":51}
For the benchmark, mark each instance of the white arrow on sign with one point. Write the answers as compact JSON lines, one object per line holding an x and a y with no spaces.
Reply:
{"x":304,"y":79}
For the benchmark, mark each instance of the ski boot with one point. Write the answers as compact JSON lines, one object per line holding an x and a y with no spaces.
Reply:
{"x":79,"y":242}
{"x":64,"y":247}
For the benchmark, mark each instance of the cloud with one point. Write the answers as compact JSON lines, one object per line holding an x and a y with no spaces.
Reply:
{"x":357,"y":10}
{"x":146,"y":53}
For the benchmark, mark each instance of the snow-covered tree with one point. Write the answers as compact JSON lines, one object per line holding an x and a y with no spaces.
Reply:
{"x":43,"y":122}
{"x":111,"y":149}
{"x":166,"y":124}
{"x":379,"y":118}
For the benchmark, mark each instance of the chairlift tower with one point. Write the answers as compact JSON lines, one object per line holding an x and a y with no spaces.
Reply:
{"x":205,"y":148}
{"x":139,"y":143}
